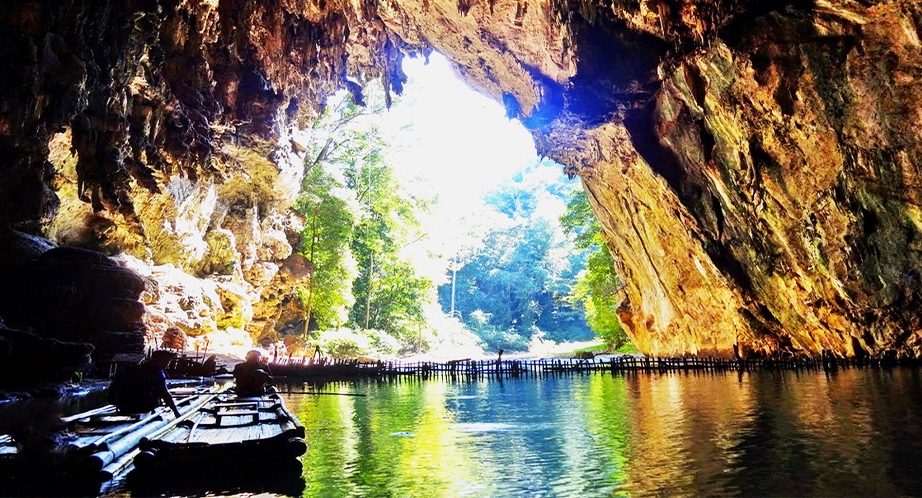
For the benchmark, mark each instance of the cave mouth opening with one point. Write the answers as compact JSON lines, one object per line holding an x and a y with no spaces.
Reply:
{"x":181,"y":222}
{"x":443,"y":132}
{"x":488,"y":197}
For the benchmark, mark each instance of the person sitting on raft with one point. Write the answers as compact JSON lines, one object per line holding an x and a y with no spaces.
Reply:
{"x":252,"y":376}
{"x":141,"y":388}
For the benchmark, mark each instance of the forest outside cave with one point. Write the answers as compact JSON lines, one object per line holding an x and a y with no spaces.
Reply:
{"x":435,"y":229}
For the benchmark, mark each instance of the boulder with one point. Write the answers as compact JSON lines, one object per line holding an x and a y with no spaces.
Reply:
{"x":27,"y":359}
{"x":173,"y":338}
{"x":76,"y":295}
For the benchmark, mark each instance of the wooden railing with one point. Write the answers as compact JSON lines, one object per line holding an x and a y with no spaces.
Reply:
{"x":345,"y":368}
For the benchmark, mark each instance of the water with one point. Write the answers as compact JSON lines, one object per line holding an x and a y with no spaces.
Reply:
{"x":851,"y":432}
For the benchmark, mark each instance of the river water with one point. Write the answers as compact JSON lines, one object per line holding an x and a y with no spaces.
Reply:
{"x":852,"y":432}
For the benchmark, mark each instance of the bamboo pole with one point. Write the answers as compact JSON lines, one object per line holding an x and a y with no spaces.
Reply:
{"x":116,"y":448}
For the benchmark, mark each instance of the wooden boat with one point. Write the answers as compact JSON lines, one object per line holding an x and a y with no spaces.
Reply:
{"x":120,"y":434}
{"x":98,"y":443}
{"x":226,"y":433}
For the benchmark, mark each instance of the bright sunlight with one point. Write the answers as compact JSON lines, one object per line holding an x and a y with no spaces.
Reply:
{"x":434,"y":226}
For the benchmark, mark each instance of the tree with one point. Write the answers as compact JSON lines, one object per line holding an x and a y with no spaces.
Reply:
{"x":328,"y":206}
{"x":388,"y":293}
{"x":514,"y":285}
{"x":325,"y":242}
{"x":597,"y":286}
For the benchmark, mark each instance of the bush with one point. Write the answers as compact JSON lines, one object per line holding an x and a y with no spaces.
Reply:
{"x":383,"y":343}
{"x":502,"y":339}
{"x":628,"y":348}
{"x":342,"y":343}
{"x":344,"y":347}
{"x":348,"y":343}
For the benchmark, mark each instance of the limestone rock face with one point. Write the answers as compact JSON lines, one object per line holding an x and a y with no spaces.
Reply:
{"x":754,"y":164}
{"x":785,"y":147}
{"x":800,"y":155}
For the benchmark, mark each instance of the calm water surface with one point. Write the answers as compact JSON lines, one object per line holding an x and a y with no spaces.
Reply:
{"x":851,"y":432}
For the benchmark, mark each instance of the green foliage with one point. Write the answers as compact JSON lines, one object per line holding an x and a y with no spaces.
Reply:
{"x":508,"y":340}
{"x":514,"y":285}
{"x":598,"y":348}
{"x":324,"y":241}
{"x":393,"y":294}
{"x":579,"y":221}
{"x":628,"y":348}
{"x":343,"y":348}
{"x":597,"y":286}
{"x":357,"y":221}
{"x":390,"y":293}
{"x":348,"y":343}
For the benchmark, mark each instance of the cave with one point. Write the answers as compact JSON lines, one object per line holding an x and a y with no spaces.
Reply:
{"x":753,"y":164}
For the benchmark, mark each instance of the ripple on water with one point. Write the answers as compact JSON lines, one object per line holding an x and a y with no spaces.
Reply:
{"x":474,"y":427}
{"x":853,"y":433}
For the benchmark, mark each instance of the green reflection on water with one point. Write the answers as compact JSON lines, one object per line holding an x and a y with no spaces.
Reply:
{"x":853,"y":432}
{"x":442,"y":438}
{"x":396,"y":442}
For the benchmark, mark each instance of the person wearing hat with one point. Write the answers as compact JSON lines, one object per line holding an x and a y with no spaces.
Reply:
{"x":142,"y":388}
{"x":252,"y":375}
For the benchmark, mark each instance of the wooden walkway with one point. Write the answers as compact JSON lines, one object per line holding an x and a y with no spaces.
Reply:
{"x":617,"y":364}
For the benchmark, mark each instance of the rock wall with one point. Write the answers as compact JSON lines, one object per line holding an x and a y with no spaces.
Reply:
{"x":789,"y":137}
{"x":59,"y":304}
{"x":753,"y":163}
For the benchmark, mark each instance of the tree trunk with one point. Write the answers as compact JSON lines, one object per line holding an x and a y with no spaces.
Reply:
{"x":371,"y":264}
{"x":310,"y":286}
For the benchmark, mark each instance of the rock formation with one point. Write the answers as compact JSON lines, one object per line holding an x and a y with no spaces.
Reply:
{"x":61,"y":304}
{"x":753,"y":163}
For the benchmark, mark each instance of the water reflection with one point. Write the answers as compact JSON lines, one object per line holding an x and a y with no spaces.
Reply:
{"x":851,"y":432}
{"x":756,"y":434}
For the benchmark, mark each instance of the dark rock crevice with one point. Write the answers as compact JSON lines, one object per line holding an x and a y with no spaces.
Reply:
{"x":616,"y":70}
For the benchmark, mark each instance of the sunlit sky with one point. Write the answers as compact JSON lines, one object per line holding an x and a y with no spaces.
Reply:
{"x":450,"y":144}
{"x":457,"y":139}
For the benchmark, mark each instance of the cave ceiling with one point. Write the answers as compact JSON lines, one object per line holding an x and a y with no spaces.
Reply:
{"x":754,"y":164}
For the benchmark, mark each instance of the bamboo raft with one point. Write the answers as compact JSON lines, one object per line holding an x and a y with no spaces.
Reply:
{"x":215,"y":430}
{"x":226,"y":433}
{"x":99,"y":443}
{"x":623,"y":364}
{"x":116,"y":449}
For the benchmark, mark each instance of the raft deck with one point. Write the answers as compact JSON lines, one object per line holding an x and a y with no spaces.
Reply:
{"x":227,"y":431}
{"x":98,"y":443}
